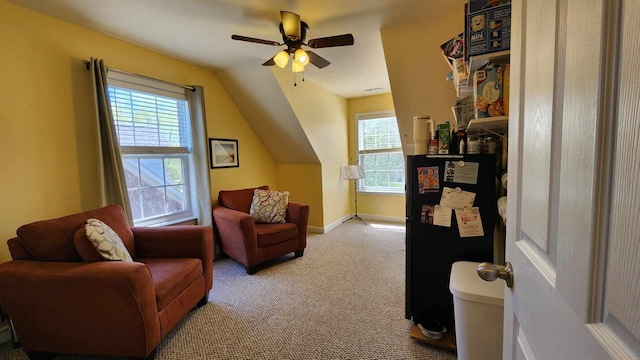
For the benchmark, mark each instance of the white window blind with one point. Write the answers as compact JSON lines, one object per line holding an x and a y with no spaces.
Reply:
{"x":380,"y":153}
{"x":153,"y":128}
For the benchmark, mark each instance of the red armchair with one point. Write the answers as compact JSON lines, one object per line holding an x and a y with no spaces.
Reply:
{"x":252,"y":244}
{"x":60,"y":303}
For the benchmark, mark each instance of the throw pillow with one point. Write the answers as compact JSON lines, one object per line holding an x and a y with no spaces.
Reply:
{"x":105,"y":241}
{"x":269,"y":206}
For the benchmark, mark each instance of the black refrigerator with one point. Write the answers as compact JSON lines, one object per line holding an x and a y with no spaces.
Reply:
{"x":433,"y":247}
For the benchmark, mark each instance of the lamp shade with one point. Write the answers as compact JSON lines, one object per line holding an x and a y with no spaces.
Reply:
{"x":297,"y":67}
{"x":352,"y":172}
{"x":281,"y":59}
{"x":301,"y":57}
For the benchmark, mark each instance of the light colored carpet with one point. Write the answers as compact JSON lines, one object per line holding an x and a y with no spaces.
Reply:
{"x":344,"y":299}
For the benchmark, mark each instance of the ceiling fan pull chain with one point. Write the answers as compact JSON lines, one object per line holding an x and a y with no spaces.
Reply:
{"x":294,"y":79}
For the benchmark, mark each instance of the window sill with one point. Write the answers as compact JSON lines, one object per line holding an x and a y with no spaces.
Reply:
{"x":191,"y":220}
{"x":384,"y":193}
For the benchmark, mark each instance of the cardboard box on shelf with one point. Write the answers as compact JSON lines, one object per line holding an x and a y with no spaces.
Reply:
{"x":488,"y":29}
{"x":453,"y":49}
{"x":444,"y":133}
{"x":478,"y":5}
{"x":488,"y":92}
{"x":505,"y":87}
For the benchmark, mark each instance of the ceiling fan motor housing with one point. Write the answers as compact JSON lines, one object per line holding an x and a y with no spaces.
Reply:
{"x":291,"y":39}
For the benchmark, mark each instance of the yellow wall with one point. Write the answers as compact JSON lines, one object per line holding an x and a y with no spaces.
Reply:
{"x":384,"y":205}
{"x":418,"y":82}
{"x":47,"y":132}
{"x":304,"y":182}
{"x":323,"y":116}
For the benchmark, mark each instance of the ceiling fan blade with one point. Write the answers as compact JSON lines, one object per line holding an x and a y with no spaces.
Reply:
{"x":331,"y":41}
{"x":317,"y":60}
{"x":269,"y":62}
{"x":290,"y":24}
{"x":254,"y":40}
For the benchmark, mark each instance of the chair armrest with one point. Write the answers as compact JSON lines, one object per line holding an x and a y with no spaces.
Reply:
{"x":237,"y":233}
{"x":188,"y":241}
{"x":60,"y":306}
{"x":298,"y":214}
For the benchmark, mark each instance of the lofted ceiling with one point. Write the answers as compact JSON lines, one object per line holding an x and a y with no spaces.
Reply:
{"x":199,"y":31}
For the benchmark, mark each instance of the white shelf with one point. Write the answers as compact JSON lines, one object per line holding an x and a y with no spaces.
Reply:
{"x":478,"y":61}
{"x":490,"y":125}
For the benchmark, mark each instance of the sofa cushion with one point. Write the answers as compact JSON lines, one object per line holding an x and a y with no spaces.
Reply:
{"x":96,"y":241}
{"x":239,"y":200}
{"x":171,"y":276}
{"x":52,"y":240}
{"x":272,"y":234}
{"x":269,"y":206}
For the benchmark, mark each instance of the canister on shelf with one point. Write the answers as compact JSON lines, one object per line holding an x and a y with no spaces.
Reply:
{"x":489,"y":145}
{"x":473,"y":145}
{"x":433,"y":146}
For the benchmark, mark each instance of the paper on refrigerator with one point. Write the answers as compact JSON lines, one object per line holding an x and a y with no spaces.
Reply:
{"x":456,"y":198}
{"x":441,"y":216}
{"x":469,"y":222}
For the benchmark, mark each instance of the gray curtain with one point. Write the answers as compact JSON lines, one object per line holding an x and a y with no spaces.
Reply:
{"x":113,"y":187}
{"x":200,"y":154}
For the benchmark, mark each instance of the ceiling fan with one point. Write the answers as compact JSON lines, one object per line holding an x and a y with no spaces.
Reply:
{"x":294,"y":33}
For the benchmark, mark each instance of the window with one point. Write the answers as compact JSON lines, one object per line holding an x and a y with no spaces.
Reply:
{"x":154,"y":133}
{"x":380,"y":153}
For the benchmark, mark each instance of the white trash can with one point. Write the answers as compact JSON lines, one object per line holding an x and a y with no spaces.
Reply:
{"x":478,"y":308}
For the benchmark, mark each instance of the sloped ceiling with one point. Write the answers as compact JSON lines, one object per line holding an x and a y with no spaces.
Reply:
{"x":261,"y":101}
{"x":417,"y":70}
{"x":199,"y":31}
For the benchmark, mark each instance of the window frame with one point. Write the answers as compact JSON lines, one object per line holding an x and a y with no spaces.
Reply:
{"x":160,"y":88}
{"x":360,"y":187}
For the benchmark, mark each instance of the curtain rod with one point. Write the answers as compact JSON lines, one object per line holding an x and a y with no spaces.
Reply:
{"x":88,"y":64}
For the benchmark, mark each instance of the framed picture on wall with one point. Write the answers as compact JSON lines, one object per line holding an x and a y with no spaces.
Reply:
{"x":223,"y":153}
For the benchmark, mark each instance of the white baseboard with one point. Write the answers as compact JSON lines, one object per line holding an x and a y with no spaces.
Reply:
{"x":395,"y":219}
{"x":333,"y":225}
{"x":326,"y":229}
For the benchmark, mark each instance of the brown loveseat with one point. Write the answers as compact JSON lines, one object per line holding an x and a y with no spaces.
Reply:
{"x":252,"y":244}
{"x":60,"y":303}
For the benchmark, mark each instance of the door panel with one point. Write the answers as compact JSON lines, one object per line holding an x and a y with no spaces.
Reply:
{"x":538,"y":115}
{"x":578,"y":202}
{"x":623,"y":289}
{"x":524,"y":349}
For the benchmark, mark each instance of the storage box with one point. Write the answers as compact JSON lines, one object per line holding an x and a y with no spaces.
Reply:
{"x":488,"y":29}
{"x":488,"y":92}
{"x":479,"y":5}
{"x":506,"y":87}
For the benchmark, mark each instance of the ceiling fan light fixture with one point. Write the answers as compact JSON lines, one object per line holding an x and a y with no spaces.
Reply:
{"x":281,"y":59}
{"x":300,"y":56}
{"x":290,"y":25}
{"x":297,"y":67}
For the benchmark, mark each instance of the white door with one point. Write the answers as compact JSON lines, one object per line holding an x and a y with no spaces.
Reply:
{"x":573,"y":230}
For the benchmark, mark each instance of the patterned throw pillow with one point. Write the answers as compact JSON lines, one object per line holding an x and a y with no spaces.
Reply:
{"x":269,"y":206}
{"x":106,"y":241}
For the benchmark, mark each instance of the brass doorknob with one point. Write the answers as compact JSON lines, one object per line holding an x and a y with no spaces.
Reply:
{"x":490,"y":272}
